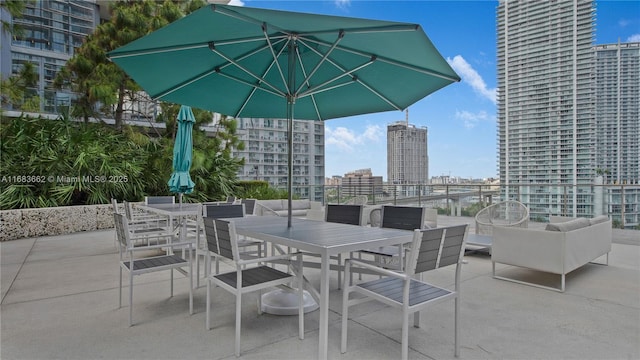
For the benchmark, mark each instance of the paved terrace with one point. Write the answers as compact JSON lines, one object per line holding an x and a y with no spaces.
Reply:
{"x":60,"y":301}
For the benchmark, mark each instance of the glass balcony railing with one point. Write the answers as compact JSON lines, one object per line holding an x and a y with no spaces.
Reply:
{"x":620,"y":202}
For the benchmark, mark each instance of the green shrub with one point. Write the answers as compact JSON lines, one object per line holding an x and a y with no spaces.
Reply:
{"x":55,"y":163}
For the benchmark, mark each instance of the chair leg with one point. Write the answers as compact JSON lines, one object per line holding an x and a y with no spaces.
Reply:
{"x":130,"y":298}
{"x":197,"y":268}
{"x":456,"y":346}
{"x":207,"y":324}
{"x":300,"y":300}
{"x":120,"y":291}
{"x":191,"y":283}
{"x":405,"y":336}
{"x":238,"y":322}
{"x":340,"y":271}
{"x":171,"y":272}
{"x":345,"y":307}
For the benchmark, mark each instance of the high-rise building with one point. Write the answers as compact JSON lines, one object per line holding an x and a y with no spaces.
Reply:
{"x":361,"y":182}
{"x":407,"y":156}
{"x":546,"y":115}
{"x":265,"y":154}
{"x":51,"y":31}
{"x":617,"y":86}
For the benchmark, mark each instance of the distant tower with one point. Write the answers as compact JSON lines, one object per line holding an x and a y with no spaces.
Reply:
{"x":545,"y":101}
{"x":618,"y":112}
{"x":407,"y":156}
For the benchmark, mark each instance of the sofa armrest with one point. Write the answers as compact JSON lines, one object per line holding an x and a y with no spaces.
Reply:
{"x":531,"y":248}
{"x":262,"y":210}
{"x":587,"y":244}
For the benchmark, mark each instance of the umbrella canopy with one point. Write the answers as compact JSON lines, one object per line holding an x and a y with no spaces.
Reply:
{"x":248,"y":62}
{"x":180,"y":181}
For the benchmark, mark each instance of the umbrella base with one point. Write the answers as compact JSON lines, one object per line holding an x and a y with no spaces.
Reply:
{"x":281,"y":302}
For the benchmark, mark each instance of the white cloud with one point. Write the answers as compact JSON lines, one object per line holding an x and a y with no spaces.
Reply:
{"x":470,"y":75}
{"x":634,"y":38}
{"x":342,"y":3}
{"x":347,"y":139}
{"x":472,"y":119}
{"x":236,"y":2}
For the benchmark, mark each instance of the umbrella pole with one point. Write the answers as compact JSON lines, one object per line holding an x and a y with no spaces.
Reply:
{"x":291,"y":78}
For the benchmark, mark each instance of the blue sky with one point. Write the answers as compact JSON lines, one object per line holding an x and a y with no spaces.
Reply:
{"x":461,"y":118}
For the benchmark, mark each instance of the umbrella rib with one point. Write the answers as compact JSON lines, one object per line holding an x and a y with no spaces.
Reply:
{"x":183,"y":84}
{"x":392,"y":62}
{"x":260,"y":79}
{"x":228,"y":12}
{"x":386,"y":99}
{"x":304,"y":72}
{"x":152,"y":51}
{"x":253,"y":91}
{"x":158,"y":50}
{"x":275,"y":57}
{"x":355,"y":78}
{"x":255,"y":86}
{"x":372,"y":29}
{"x":318,"y":88}
{"x":205,"y":74}
{"x":324,"y":58}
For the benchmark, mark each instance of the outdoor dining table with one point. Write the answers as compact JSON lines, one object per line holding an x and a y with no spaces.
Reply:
{"x":175,"y":212}
{"x":323,"y":238}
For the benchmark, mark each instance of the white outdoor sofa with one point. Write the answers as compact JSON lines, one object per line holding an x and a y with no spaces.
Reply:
{"x":565,"y":245}
{"x":279,"y":207}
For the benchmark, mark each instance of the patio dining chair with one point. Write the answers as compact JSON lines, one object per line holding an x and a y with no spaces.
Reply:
{"x":249,"y":206}
{"x":343,"y":214}
{"x":144,"y":227}
{"x":249,"y":275}
{"x":138,"y":265}
{"x":430,"y":249}
{"x":227,"y":211}
{"x":395,"y":217}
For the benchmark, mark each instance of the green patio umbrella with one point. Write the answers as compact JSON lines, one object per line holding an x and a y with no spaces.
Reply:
{"x":248,"y":62}
{"x":180,"y":181}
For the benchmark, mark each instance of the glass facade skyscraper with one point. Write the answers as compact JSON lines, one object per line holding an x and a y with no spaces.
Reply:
{"x":546,"y":127}
{"x":51,"y":31}
{"x":617,"y":86}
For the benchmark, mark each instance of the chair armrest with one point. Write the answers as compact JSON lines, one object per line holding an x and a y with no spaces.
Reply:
{"x":350,"y":262}
{"x":269,"y":258}
{"x":163,"y":246}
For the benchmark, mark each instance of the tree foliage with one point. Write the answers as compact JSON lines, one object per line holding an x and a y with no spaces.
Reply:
{"x":95,"y":79}
{"x":19,"y":90}
{"x":15,"y":8}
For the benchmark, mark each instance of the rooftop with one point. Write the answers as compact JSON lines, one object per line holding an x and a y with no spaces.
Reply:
{"x":60,"y":300}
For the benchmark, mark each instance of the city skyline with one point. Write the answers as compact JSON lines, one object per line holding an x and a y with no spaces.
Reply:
{"x":461,"y":118}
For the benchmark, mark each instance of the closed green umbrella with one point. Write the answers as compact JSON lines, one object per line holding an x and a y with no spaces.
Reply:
{"x":248,"y":62}
{"x":180,"y":181}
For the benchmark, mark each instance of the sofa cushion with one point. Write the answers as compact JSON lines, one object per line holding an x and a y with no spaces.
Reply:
{"x":300,"y":204}
{"x":274,"y":205}
{"x":568,"y":225}
{"x":598,"y":219}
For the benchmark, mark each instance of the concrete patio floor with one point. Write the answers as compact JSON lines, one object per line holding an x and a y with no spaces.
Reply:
{"x":60,"y":301}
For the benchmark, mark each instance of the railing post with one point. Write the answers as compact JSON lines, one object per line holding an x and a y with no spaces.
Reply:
{"x":564,"y":201}
{"x":622,"y":205}
{"x":446,"y":191}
